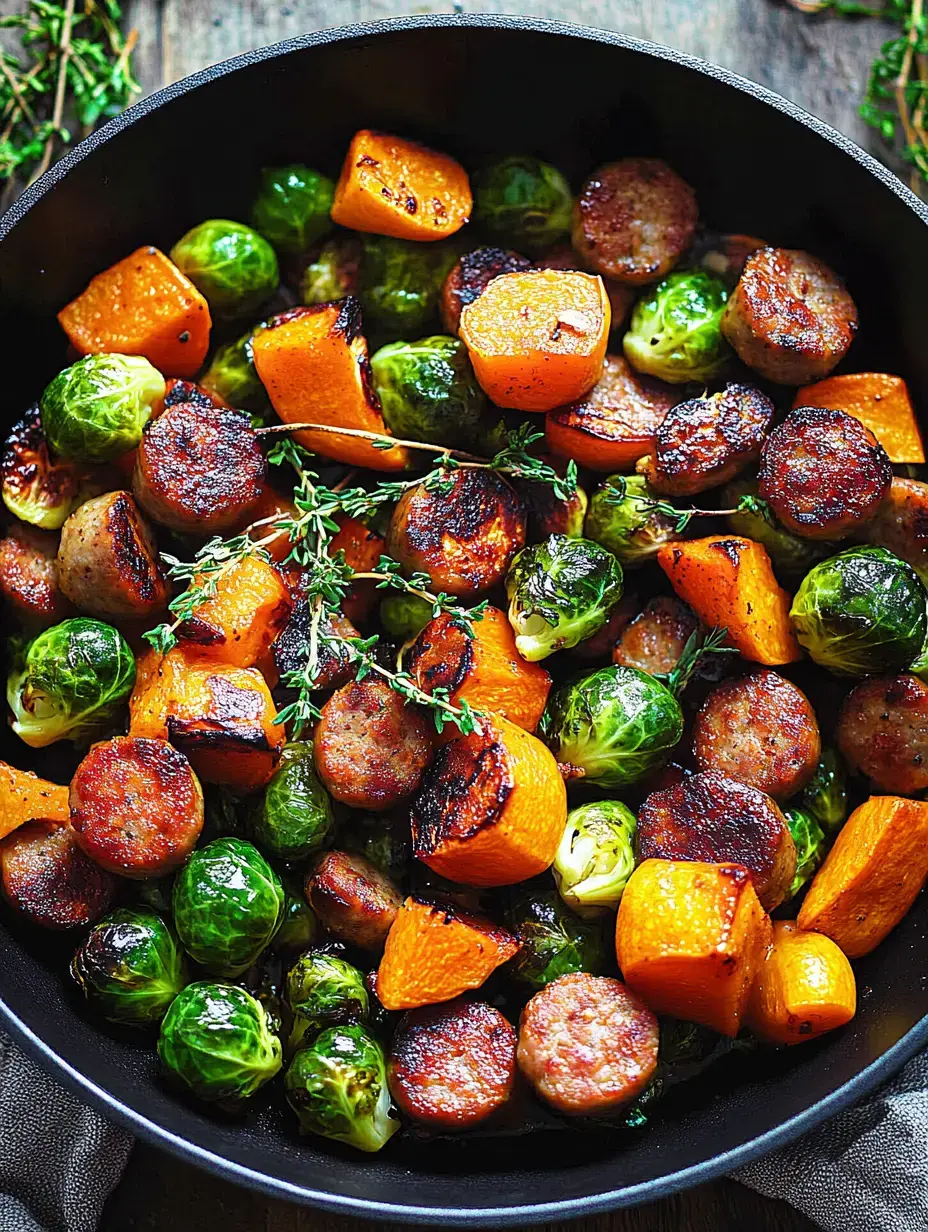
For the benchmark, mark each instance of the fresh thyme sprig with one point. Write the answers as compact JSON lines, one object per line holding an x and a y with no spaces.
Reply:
{"x":616,"y":491}
{"x":701,"y":642}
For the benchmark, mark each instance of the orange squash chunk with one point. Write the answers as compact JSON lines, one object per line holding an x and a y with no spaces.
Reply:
{"x":142,"y":305}
{"x":25,"y":797}
{"x":880,"y":401}
{"x":871,"y":876}
{"x":492,"y":807}
{"x":690,"y":939}
{"x":239,"y":623}
{"x":728,"y":582}
{"x":485,"y":670}
{"x":396,"y":187}
{"x":313,"y":363}
{"x":363,"y":548}
{"x":436,"y":952}
{"x":537,"y":340}
{"x":804,"y":988}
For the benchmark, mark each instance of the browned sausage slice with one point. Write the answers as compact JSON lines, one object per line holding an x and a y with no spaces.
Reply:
{"x":178,"y":390}
{"x":50,"y":880}
{"x":452,"y":1066}
{"x":760,"y":730}
{"x":823,"y":473}
{"x":136,"y":806}
{"x":883,"y":732}
{"x":355,"y":901}
{"x":29,"y":576}
{"x":469,"y":278}
{"x":634,"y":219}
{"x":790,"y":317}
{"x":587,"y":1044}
{"x":710,"y":818}
{"x":706,"y":441}
{"x":655,"y":639}
{"x":371,"y":748}
{"x":901,"y":524}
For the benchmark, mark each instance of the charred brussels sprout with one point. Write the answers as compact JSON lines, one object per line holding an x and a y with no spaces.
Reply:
{"x":37,"y":490}
{"x":400,"y":282}
{"x":792,"y":557}
{"x":216,"y":1040}
{"x":228,"y":904}
{"x":96,"y":409}
{"x":293,"y":818}
{"x":405,"y":616}
{"x":596,"y":857}
{"x":554,"y":941}
{"x":292,"y":207}
{"x":334,"y":271}
{"x":560,"y":592}
{"x":338,"y":1089}
{"x":323,"y":990}
{"x":861,"y":612}
{"x":622,"y":518}
{"x":232,"y":375}
{"x":233,"y":266}
{"x":674,"y":332}
{"x":129,"y":966}
{"x":69,"y":682}
{"x":428,"y":391}
{"x":523,"y":202}
{"x":614,"y":726}
{"x":825,"y":797}
{"x":811,"y":845}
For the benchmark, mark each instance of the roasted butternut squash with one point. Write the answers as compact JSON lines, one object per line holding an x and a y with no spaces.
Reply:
{"x":880,"y":401}
{"x":363,"y":548}
{"x":238,"y":625}
{"x":25,"y":797}
{"x":804,"y":987}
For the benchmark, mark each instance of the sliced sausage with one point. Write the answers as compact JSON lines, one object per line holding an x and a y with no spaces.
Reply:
{"x":108,"y":563}
{"x":883,"y":732}
{"x":136,"y":806}
{"x":48,"y":879}
{"x":452,"y":1066}
{"x":469,"y":278}
{"x":714,"y":819}
{"x":199,"y":469}
{"x":463,"y":535}
{"x":634,"y":219}
{"x":823,"y":473}
{"x":790,"y":317}
{"x":177,"y":391}
{"x":901,"y":524}
{"x":29,"y":576}
{"x":724,"y":255}
{"x":355,"y":901}
{"x":760,"y":730}
{"x":654,"y":641}
{"x":371,"y":747}
{"x":706,"y":441}
{"x":587,"y":1044}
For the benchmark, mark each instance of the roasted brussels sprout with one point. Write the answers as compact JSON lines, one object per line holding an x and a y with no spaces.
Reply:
{"x":612,"y":727}
{"x":334,"y":272}
{"x":621,"y":517}
{"x":233,"y":266}
{"x":791,"y":556}
{"x":401,"y":281}
{"x":323,"y":990}
{"x":69,"y":682}
{"x":293,"y":817}
{"x":216,"y":1040}
{"x":560,"y":592}
{"x":232,"y":375}
{"x":596,"y":857}
{"x":811,"y":845}
{"x":292,"y":207}
{"x":523,"y":202}
{"x":35,"y":489}
{"x":861,"y":612}
{"x":338,"y":1089}
{"x":129,"y":966}
{"x":228,"y":904}
{"x":299,"y":926}
{"x":96,"y":409}
{"x":825,"y":796}
{"x":404,"y":616}
{"x":674,"y":331}
{"x":554,"y":941}
{"x":428,"y":391}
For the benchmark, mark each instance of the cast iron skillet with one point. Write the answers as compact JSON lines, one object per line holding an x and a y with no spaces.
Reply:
{"x":473,"y":86}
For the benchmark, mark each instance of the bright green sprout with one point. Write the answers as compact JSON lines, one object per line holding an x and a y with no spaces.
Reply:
{"x":674,"y":332}
{"x":596,"y":857}
{"x":292,"y":208}
{"x":95,"y":410}
{"x":233,"y":266}
{"x":129,"y":967}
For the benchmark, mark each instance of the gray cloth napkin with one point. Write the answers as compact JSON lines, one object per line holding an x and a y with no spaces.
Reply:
{"x":58,"y":1159}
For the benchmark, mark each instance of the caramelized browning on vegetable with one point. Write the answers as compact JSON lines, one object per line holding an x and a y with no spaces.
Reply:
{"x":355,"y":901}
{"x":883,"y":732}
{"x":470,"y":277}
{"x":362,"y":548}
{"x":49,"y":880}
{"x":25,"y":797}
{"x":240,"y":622}
{"x":804,"y":988}
{"x":29,"y":576}
{"x":654,"y":641}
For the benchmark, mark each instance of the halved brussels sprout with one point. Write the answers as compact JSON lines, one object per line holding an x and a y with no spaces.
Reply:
{"x":791,"y":556}
{"x":523,"y":202}
{"x":595,"y":857}
{"x":129,"y":966}
{"x":232,"y":375}
{"x":228,"y":904}
{"x":334,"y":272}
{"x":233,"y":266}
{"x":621,"y":517}
{"x":560,"y":592}
{"x":292,"y":207}
{"x":554,"y":941}
{"x":37,"y":490}
{"x":96,"y":409}
{"x":216,"y":1040}
{"x":428,"y":391}
{"x":404,"y":616}
{"x":612,"y":727}
{"x":674,"y":331}
{"x":293,"y":817}
{"x":825,"y":796}
{"x":69,"y":682}
{"x":323,"y":990}
{"x":401,"y":282}
{"x":338,"y":1089}
{"x":811,"y":846}
{"x":861,"y":612}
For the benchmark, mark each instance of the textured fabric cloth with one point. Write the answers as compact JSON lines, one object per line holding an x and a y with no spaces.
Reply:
{"x":58,"y":1159}
{"x":864,"y":1171}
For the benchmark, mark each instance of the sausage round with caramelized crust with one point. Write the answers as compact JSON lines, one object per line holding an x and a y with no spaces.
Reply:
{"x":48,"y":878}
{"x":355,"y":901}
{"x":654,"y":641}
{"x":29,"y":576}
{"x":883,"y":732}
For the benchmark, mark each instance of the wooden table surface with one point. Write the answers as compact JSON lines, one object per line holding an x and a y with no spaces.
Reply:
{"x":819,"y":62}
